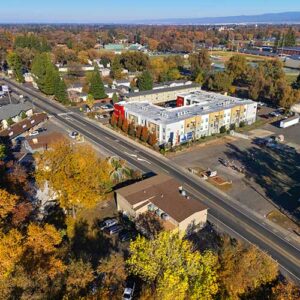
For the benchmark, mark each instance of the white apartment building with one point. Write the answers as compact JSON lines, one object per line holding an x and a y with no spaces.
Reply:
{"x":197,"y":114}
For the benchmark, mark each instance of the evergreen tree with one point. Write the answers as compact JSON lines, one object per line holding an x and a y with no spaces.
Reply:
{"x":96,"y":86}
{"x":61,"y":94}
{"x":116,"y":69}
{"x":115,"y":98}
{"x":50,"y":80}
{"x":290,"y":38}
{"x":145,"y":81}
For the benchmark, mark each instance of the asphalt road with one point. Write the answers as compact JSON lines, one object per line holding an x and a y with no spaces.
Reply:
{"x":229,"y":215}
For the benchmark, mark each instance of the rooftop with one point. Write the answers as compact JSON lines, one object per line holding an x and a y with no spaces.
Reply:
{"x":12,"y":110}
{"x":207,"y":103}
{"x":20,"y":127}
{"x":162,"y":191}
{"x":163,"y":90}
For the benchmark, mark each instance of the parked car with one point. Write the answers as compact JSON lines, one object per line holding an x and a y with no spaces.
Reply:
{"x":274,"y":114}
{"x":129,"y":290}
{"x":34,"y":133}
{"x":113,"y":229}
{"x":42,"y":129}
{"x":108,"y":223}
{"x":73,"y":134}
{"x":125,"y":236}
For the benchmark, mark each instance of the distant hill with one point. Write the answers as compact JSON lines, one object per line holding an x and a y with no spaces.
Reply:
{"x":273,"y":18}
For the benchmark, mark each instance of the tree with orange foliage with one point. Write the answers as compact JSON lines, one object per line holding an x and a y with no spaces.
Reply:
{"x":125,"y":126}
{"x":120,"y":121}
{"x":138,"y":131}
{"x":145,"y":134}
{"x":113,"y":120}
{"x":152,"y":140}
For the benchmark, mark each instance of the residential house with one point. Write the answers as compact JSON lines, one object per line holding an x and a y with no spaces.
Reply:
{"x":75,"y":87}
{"x":164,"y":196}
{"x":14,"y":112}
{"x":23,"y":126}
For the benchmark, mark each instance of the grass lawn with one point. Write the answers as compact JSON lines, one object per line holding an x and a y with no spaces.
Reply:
{"x":225,"y":55}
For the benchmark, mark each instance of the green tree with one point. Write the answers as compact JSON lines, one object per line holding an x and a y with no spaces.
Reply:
{"x":23,"y":115}
{"x":219,"y":82}
{"x":200,"y":62}
{"x":90,"y":101}
{"x":60,"y":91}
{"x":115,"y":98}
{"x":96,"y":85}
{"x":10,"y":121}
{"x":289,"y":40}
{"x":236,"y":67}
{"x":145,"y":81}
{"x":2,"y":151}
{"x":116,"y":68}
{"x":15,"y":63}
{"x":169,"y":262}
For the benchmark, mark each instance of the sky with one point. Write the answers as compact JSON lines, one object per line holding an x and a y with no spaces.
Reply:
{"x":103,"y":11}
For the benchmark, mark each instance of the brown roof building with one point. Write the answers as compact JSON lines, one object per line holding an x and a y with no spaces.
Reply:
{"x":43,"y":142}
{"x":23,"y":126}
{"x":163,"y":195}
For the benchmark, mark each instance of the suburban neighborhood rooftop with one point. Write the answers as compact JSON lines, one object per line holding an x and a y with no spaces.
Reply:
{"x":162,"y":191}
{"x":206,"y":103}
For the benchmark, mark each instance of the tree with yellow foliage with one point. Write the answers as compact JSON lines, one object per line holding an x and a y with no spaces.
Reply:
{"x":7,"y":203}
{"x":75,"y":174}
{"x":41,"y":250}
{"x":243,"y":268}
{"x":169,"y":262}
{"x":11,"y":250}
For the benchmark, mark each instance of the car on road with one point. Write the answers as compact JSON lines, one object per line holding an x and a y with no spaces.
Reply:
{"x":73,"y":134}
{"x":113,"y":229}
{"x":125,"y":236}
{"x":107,"y":223}
{"x":129,"y":291}
{"x":34,"y":133}
{"x":42,"y":129}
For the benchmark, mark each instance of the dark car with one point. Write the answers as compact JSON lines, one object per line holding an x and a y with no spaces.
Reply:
{"x":125,"y":236}
{"x":113,"y":229}
{"x":42,"y":129}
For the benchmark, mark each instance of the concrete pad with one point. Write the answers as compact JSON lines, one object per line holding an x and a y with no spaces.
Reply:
{"x":260,"y":133}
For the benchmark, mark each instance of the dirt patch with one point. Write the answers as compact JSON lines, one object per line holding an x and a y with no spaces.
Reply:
{"x":212,"y":142}
{"x":283,"y":221}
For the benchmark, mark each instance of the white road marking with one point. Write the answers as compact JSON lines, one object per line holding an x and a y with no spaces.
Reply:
{"x":144,"y":160}
{"x":64,"y":114}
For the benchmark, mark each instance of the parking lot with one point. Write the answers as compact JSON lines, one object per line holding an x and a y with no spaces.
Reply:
{"x":271,"y":175}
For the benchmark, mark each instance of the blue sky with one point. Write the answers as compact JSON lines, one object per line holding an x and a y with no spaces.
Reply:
{"x":126,"y":10}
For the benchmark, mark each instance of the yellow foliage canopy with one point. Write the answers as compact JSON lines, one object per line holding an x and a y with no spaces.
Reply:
{"x":75,"y":173}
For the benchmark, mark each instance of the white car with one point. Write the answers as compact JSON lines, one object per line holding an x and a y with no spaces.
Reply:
{"x":108,"y":223}
{"x":129,"y":290}
{"x":34,"y":133}
{"x":73,"y":134}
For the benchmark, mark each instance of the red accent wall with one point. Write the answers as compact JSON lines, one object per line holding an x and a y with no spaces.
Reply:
{"x":119,"y":110}
{"x":179,"y":101}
